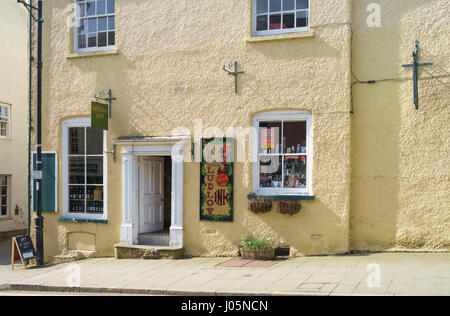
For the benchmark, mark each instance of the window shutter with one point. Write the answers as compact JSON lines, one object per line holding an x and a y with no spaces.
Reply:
{"x":49,"y":183}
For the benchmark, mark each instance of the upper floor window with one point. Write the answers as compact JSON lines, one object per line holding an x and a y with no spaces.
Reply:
{"x":4,"y":121}
{"x":272,"y":17}
{"x":95,"y":25}
{"x":84,"y":170}
{"x":283,"y":153}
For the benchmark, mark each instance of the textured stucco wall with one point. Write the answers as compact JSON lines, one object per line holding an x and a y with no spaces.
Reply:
{"x":165,"y":45}
{"x":14,"y":91}
{"x":400,"y":170}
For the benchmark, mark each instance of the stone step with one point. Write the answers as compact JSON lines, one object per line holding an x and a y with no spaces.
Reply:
{"x":154,"y":239}
{"x":123,"y":251}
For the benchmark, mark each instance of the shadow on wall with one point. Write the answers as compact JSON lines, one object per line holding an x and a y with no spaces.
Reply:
{"x":379,"y":143}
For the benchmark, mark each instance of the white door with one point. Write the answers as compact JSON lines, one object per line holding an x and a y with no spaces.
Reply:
{"x":151,"y":195}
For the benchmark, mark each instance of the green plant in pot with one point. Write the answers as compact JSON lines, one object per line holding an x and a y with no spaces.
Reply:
{"x":257,"y":249}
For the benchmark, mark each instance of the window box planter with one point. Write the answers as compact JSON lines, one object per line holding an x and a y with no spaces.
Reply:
{"x":260,"y":205}
{"x":289,"y":207}
{"x":256,"y":254}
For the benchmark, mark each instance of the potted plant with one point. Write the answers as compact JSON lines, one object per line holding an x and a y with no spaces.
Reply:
{"x":257,"y":249}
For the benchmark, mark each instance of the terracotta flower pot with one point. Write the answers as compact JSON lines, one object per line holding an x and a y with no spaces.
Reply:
{"x":255,"y":254}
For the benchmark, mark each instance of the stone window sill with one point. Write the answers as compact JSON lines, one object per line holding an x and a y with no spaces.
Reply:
{"x":79,"y":220}
{"x":5,"y":218}
{"x":291,"y":197}
{"x":256,"y":39}
{"x":93,"y":54}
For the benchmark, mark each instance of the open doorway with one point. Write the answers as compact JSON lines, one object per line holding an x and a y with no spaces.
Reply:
{"x":155,"y":189}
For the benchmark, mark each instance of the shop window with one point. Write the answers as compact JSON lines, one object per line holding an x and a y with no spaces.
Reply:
{"x":283,"y":153}
{"x":95,"y":25}
{"x":4,"y":195}
{"x":4,"y":121}
{"x":84,"y":170}
{"x":271,"y":17}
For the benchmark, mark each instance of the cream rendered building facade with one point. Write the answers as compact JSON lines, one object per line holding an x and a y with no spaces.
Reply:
{"x":377,"y":178}
{"x":13,"y":118}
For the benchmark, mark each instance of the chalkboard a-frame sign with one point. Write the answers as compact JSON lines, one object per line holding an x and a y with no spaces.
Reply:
{"x":23,"y":250}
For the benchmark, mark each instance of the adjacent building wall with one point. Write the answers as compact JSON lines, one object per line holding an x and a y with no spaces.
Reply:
{"x":168,"y":72}
{"x":14,"y":92}
{"x":400,"y":168}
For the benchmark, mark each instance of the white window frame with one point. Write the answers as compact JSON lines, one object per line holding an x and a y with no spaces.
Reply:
{"x":81,"y":122}
{"x":75,"y":31}
{"x":284,"y":116}
{"x":8,"y":121}
{"x":280,"y":31}
{"x":8,"y":196}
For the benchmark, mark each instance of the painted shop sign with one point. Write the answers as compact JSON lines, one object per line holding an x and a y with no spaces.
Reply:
{"x":216,"y":179}
{"x":99,"y":116}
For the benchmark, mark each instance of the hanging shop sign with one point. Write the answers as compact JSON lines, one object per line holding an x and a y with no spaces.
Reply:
{"x":216,"y":179}
{"x":99,"y":116}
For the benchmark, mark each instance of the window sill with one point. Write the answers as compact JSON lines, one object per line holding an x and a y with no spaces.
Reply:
{"x":5,"y":218}
{"x":109,"y":52}
{"x":291,"y":197}
{"x":279,"y":37}
{"x":79,"y":220}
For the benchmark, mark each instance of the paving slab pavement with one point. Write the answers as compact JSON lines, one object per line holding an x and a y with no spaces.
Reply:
{"x":368,"y":274}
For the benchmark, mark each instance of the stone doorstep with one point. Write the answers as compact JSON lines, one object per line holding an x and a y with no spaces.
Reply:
{"x":123,"y":251}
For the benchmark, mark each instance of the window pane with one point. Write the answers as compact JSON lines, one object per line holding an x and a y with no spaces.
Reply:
{"x":261,"y":23}
{"x":92,"y":40}
{"x":3,"y":180}
{"x":4,"y":212}
{"x":3,"y":190}
{"x":101,"y":7}
{"x":111,"y":23}
{"x":111,"y":5}
{"x":270,"y":172}
{"x":92,"y":25}
{"x":94,"y":197}
{"x":275,"y":22}
{"x":94,"y":141}
{"x":77,"y":199}
{"x":288,"y":21}
{"x":94,"y":170}
{"x":102,"y":24}
{"x":76,"y":170}
{"x":81,"y":10}
{"x":294,"y":137}
{"x":261,"y":6}
{"x":90,"y":8}
{"x":102,"y":42}
{"x":270,"y":137}
{"x":302,"y":4}
{"x":82,"y":41}
{"x":83,"y":26}
{"x":288,"y":5}
{"x":302,"y":18}
{"x":295,"y":171}
{"x":76,"y":141}
{"x":4,"y":200}
{"x":275,"y":5}
{"x":111,"y":38}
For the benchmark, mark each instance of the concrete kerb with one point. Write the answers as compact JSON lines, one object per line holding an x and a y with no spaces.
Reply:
{"x":102,"y":290}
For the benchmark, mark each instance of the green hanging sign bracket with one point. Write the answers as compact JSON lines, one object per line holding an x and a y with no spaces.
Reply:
{"x":106,"y":96}
{"x":234,"y":73}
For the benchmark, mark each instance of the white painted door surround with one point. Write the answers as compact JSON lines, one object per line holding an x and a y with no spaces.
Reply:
{"x":132,"y":150}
